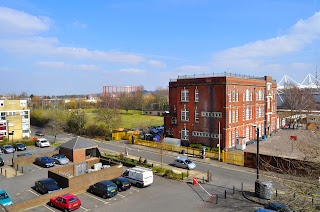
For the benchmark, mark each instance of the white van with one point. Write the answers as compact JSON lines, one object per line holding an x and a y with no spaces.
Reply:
{"x":139,"y":176}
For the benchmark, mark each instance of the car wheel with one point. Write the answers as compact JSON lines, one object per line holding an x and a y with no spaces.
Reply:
{"x":139,"y":185}
{"x":104,"y":196}
{"x":119,"y":189}
{"x":66,"y":210}
{"x":90,"y":191}
{"x":50,"y":204}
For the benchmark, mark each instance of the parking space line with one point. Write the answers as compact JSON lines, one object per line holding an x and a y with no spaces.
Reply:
{"x":96,"y":198}
{"x":84,"y":208}
{"x":48,"y":208}
{"x":137,"y":190}
{"x":33,"y":192}
{"x":121,"y":195}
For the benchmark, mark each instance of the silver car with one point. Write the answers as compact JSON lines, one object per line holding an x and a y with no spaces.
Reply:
{"x":7,"y":149}
{"x":184,"y":163}
{"x":60,"y":159}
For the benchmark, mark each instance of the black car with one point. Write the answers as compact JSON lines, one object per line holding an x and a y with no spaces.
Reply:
{"x":122,"y":183}
{"x":104,"y":189}
{"x":1,"y":162}
{"x":20,"y":147}
{"x":44,"y":161}
{"x":39,"y":133}
{"x":46,"y":185}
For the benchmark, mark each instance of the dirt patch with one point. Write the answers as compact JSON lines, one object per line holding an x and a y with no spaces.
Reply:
{"x":9,"y":172}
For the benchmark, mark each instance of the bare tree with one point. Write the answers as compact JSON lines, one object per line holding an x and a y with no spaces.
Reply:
{"x":57,"y":123}
{"x":162,"y":97}
{"x":297,"y":100}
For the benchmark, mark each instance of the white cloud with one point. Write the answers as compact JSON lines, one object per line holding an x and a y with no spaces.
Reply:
{"x":79,"y":25}
{"x":253,"y":55}
{"x":64,"y":66}
{"x":13,"y":21}
{"x":156,"y":63}
{"x":132,"y":71}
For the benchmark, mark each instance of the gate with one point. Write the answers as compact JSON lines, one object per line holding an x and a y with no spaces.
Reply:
{"x":81,"y":168}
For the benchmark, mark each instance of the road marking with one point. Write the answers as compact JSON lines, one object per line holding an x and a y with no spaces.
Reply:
{"x":34,"y":192}
{"x":121,"y":195}
{"x":36,"y":166}
{"x":48,"y":208}
{"x":137,"y":190}
{"x":84,"y":208}
{"x":96,"y":198}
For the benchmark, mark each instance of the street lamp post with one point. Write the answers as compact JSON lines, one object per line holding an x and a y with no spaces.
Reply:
{"x":257,"y":183}
{"x":12,"y":144}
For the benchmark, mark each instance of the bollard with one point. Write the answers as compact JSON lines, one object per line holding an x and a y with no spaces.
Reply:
{"x":276,"y":192}
{"x":5,"y":173}
{"x":182,"y":175}
{"x":17,"y":167}
{"x":294,"y":195}
{"x":1,"y":170}
{"x":217,"y":199}
{"x":225,"y":194}
{"x":312,"y":201}
{"x":241,"y":186}
{"x":234,"y":190}
{"x":22,"y":169}
{"x":211,"y":198}
{"x":203,"y":179}
{"x":208,"y":175}
{"x":195,"y":181}
{"x":16,"y":172}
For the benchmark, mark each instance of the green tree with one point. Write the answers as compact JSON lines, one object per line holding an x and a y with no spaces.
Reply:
{"x":76,"y":122}
{"x":110,"y":117}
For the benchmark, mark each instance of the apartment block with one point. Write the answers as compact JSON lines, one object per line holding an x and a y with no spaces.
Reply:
{"x":221,"y":109}
{"x":14,"y":119}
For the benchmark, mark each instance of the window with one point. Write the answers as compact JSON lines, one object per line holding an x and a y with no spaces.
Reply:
{"x":196,"y":95}
{"x":233,"y":116}
{"x":12,"y":113}
{"x":237,"y":96}
{"x":196,"y":115}
{"x":247,"y":95}
{"x":247,"y":113}
{"x":237,"y":116}
{"x":184,"y":134}
{"x":184,"y":115}
{"x":230,"y":116}
{"x":184,"y":95}
{"x":268,"y":103}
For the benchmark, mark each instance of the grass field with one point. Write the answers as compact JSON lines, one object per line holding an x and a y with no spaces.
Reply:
{"x":134,"y":119}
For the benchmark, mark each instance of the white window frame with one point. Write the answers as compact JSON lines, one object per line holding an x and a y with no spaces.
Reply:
{"x":184,"y":115}
{"x":184,"y":134}
{"x":196,"y":95}
{"x":196,"y":115}
{"x":184,"y":95}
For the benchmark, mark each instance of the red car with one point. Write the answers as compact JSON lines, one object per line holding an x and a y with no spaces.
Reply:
{"x":67,"y":202}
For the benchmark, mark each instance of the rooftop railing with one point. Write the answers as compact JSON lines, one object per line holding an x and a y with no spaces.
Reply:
{"x":225,"y":74}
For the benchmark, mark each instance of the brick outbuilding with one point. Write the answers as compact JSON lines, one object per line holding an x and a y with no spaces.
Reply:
{"x":79,"y":149}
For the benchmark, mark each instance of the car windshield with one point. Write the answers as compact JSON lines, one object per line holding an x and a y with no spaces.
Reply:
{"x":73,"y":199}
{"x":188,"y":161}
{"x":7,"y":147}
{"x":59,"y":156}
{"x":43,"y":141}
{"x":3,"y":195}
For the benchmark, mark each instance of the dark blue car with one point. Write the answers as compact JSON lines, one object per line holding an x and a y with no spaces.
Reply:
{"x":46,"y":185}
{"x":44,"y":161}
{"x":104,"y":189}
{"x":277,"y":206}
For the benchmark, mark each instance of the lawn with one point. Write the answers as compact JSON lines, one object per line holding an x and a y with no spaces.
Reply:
{"x":134,"y":119}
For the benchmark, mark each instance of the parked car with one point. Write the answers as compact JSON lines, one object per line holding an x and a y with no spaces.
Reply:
{"x":42,"y":142}
{"x":24,"y":154}
{"x":60,"y":159}
{"x":67,"y":202}
{"x":20,"y":147}
{"x":7,"y":149}
{"x":5,"y":198}
{"x":122,"y":183}
{"x":1,"y":162}
{"x":44,"y":161}
{"x":277,"y":206}
{"x":46,"y":185}
{"x":104,"y":189}
{"x":139,"y":176}
{"x":184,"y":163}
{"x":39,"y":133}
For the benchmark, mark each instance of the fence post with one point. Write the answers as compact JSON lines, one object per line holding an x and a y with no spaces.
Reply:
{"x":276,"y":192}
{"x":225,"y":194}
{"x":217,"y":199}
{"x":234,"y":190}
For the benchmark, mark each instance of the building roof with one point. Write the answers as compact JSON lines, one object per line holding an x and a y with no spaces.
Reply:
{"x":79,"y":143}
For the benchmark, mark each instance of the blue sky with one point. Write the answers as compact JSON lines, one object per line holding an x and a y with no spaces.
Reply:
{"x":52,"y":47}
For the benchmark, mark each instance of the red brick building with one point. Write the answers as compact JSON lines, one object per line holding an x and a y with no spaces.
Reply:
{"x":239,"y":104}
